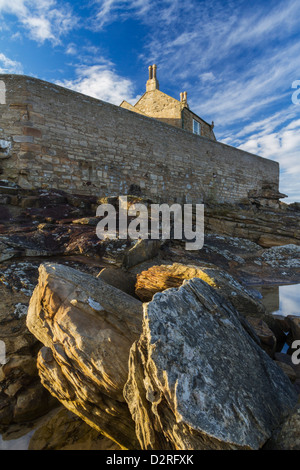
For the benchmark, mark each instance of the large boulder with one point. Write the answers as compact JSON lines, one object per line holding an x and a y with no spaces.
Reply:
{"x":87,"y":327}
{"x":197,"y":379}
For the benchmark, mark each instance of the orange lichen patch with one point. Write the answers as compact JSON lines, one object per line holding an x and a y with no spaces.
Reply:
{"x":159,"y":278}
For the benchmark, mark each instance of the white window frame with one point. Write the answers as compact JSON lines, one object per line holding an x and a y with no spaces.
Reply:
{"x":196,"y":127}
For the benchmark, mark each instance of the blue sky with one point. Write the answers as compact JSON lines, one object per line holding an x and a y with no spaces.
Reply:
{"x":236,"y":59}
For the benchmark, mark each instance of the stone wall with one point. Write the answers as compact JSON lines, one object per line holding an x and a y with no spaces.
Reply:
{"x":54,"y":137}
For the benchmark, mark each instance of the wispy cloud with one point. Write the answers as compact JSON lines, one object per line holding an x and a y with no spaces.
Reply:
{"x":267,"y":125}
{"x":267,"y":81}
{"x":42,"y":20}
{"x":8,"y":65}
{"x":108,"y":11}
{"x":71,"y":49}
{"x":283,"y":146}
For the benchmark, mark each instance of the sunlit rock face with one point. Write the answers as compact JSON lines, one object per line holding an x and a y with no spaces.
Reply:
{"x":87,"y":327}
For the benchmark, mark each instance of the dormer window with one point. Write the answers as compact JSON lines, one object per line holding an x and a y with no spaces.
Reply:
{"x":196,"y":127}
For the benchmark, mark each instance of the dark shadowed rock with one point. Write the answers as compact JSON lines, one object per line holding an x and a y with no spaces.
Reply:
{"x":266,"y":336}
{"x":22,"y":397}
{"x":294,"y":322}
{"x":63,"y":430}
{"x":142,"y":250}
{"x":287,"y":436}
{"x":119,"y":278}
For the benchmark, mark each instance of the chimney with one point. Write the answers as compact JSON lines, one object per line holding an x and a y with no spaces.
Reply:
{"x":183,"y":98}
{"x":152,"y":82}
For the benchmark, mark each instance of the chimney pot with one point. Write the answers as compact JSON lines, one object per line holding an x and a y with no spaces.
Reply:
{"x":154,"y":71}
{"x":152,"y":83}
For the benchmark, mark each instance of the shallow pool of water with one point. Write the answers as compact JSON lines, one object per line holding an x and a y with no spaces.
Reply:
{"x":281,"y":300}
{"x":21,"y":443}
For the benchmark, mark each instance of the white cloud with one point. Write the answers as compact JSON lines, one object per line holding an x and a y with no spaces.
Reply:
{"x":43,"y":20}
{"x":71,"y":49}
{"x":101,"y":82}
{"x":268,"y":124}
{"x":9,"y":66}
{"x":284,"y":147}
{"x":242,"y":94}
{"x":107,"y":11}
{"x":207,"y":77}
{"x":40,"y":28}
{"x":216,"y":29}
{"x":17,"y":7}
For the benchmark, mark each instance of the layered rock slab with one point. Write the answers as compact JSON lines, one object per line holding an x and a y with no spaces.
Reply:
{"x":87,"y":327}
{"x":198,"y":380}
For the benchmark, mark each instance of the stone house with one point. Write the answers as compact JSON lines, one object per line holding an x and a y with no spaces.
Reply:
{"x":156,"y":104}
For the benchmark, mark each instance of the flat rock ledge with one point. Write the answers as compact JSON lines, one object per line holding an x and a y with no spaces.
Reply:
{"x":197,"y":380}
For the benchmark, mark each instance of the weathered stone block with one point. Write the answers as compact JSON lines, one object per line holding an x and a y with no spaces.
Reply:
{"x":32,"y":131}
{"x":22,"y":138}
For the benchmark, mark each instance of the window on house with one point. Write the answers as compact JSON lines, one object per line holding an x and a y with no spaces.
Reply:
{"x":196,"y":127}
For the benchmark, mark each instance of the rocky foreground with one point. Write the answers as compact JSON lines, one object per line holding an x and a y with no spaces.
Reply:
{"x":147,"y":344}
